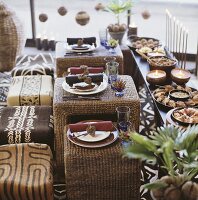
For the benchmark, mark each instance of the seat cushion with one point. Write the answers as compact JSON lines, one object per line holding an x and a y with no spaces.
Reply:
{"x":40,"y":64}
{"x":30,"y":90}
{"x":26,"y":172}
{"x":36,"y":70}
{"x":25,"y":124}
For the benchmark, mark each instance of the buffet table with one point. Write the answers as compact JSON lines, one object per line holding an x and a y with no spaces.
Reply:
{"x":66,"y":111}
{"x":93,"y":58}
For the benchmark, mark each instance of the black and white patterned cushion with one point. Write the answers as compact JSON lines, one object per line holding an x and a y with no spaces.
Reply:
{"x":34,"y":65}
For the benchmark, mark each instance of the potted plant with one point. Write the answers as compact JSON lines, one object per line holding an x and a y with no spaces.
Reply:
{"x":117,"y":7}
{"x":176,"y":151}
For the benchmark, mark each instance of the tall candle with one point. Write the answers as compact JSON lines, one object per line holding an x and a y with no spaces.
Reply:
{"x":170,"y":32}
{"x":166,"y":28}
{"x":183,"y":47}
{"x":180,"y":38}
{"x":132,"y":29}
{"x":186,"y":45}
{"x":38,"y":42}
{"x":174,"y":22}
{"x":177,"y":29}
{"x":45,"y":44}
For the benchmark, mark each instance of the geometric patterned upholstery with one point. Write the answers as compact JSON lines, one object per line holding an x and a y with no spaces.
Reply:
{"x":26,"y":124}
{"x":40,"y":64}
{"x":26,"y":172}
{"x":30,"y":90}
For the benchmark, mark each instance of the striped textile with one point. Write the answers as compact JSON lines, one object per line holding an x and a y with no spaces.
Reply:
{"x":26,"y":172}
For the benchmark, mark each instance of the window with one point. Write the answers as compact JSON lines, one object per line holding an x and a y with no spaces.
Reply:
{"x":61,"y":27}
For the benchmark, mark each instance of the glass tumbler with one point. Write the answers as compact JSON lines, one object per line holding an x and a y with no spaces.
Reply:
{"x":123,"y":116}
{"x":112,"y":71}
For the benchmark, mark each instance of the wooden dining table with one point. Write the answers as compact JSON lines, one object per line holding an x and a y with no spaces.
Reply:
{"x":67,"y":58}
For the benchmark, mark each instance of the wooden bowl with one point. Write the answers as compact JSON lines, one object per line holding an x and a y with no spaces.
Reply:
{"x":178,"y":78}
{"x":158,"y":79}
{"x":162,"y":63}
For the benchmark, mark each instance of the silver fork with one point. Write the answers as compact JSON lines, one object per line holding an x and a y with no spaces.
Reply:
{"x":83,"y":134}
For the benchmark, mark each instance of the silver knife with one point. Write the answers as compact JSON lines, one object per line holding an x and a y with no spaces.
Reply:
{"x":66,"y":98}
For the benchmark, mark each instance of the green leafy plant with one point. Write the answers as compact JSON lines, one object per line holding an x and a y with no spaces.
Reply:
{"x":176,"y":151}
{"x":118,"y":6}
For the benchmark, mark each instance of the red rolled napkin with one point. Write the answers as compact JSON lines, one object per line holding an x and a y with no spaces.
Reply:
{"x":93,"y":70}
{"x":100,"y":126}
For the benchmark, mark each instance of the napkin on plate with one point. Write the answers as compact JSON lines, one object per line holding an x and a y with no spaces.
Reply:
{"x":87,"y":40}
{"x":71,"y":79}
{"x":93,"y":70}
{"x":100,"y":126}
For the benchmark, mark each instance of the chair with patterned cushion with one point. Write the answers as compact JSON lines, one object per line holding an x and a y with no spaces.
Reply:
{"x":25,"y":124}
{"x":26,"y":172}
{"x":30,"y":90}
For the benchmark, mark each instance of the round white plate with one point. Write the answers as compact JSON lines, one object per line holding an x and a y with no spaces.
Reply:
{"x":105,"y":142}
{"x":70,"y":48}
{"x":99,"y":135}
{"x":100,"y":88}
{"x":84,"y":84}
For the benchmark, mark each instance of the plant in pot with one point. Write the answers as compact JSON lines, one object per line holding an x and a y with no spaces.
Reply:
{"x":176,"y":152}
{"x":118,"y":7}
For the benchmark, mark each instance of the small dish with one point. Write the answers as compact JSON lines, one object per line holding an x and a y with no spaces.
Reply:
{"x":179,"y":95}
{"x":185,"y":116}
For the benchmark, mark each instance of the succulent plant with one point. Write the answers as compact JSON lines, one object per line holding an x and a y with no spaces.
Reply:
{"x":119,"y":85}
{"x":177,"y":151}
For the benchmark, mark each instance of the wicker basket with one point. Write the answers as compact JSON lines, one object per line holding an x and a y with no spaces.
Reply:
{"x":11,"y":38}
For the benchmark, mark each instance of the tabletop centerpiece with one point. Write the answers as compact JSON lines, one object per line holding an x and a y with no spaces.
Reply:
{"x":119,"y":85}
{"x":118,"y":7}
{"x":180,"y":76}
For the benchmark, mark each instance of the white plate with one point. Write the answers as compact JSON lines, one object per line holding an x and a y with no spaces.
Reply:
{"x":83,"y":47}
{"x":99,"y":135}
{"x":70,"y":49}
{"x":105,"y":142}
{"x":100,"y":88}
{"x":84,"y":84}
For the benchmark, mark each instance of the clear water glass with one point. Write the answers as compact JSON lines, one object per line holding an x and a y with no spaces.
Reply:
{"x":112,"y":71}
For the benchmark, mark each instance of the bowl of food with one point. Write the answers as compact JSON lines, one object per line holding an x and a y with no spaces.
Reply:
{"x":179,"y":95}
{"x":162,"y":63}
{"x":185,"y":116}
{"x":139,"y":42}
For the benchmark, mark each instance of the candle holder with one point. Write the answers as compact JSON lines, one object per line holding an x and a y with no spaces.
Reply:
{"x":45,"y":44}
{"x":38,"y":43}
{"x":156,"y":77}
{"x":180,"y":76}
{"x":52,"y":45}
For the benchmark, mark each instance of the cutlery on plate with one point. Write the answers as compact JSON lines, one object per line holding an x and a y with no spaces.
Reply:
{"x":80,"y":98}
{"x":77,"y":136}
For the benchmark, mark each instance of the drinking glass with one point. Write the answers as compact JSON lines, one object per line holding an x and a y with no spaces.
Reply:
{"x":123,"y":116}
{"x":112,"y":71}
{"x":103,"y":36}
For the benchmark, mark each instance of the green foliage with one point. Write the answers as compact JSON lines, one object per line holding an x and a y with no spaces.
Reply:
{"x":175,"y":149}
{"x":118,"y":6}
{"x":155,"y":185}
